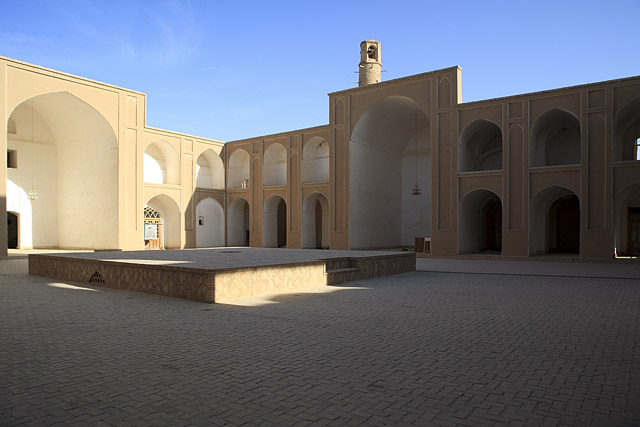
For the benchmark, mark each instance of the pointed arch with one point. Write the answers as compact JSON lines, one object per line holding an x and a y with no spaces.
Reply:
{"x":209,"y":170}
{"x":274,"y":171}
{"x":555,"y":139}
{"x":315,"y":222}
{"x":161,"y":164}
{"x":480,"y":147}
{"x":315,"y":161}
{"x":554,"y":221}
{"x":480,"y":222}
{"x":209,"y":224}
{"x":389,"y":153}
{"x":239,"y":169}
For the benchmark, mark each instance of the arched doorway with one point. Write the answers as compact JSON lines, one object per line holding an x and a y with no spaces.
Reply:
{"x":554,"y":222}
{"x":239,"y":234}
{"x":209,"y":224}
{"x":168,"y":210}
{"x":274,"y":223}
{"x":563,"y":232}
{"x":13,"y":230}
{"x":315,"y":222}
{"x":389,"y":154}
{"x":62,"y":178}
{"x":480,"y":223}
{"x":626,"y":221}
{"x":152,"y":228}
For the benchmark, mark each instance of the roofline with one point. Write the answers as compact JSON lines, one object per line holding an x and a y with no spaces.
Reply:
{"x":280,"y":133}
{"x":398,"y":80}
{"x":62,"y":73}
{"x":197,"y":138}
{"x":549,"y":91}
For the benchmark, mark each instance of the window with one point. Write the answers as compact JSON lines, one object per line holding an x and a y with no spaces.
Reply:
{"x":638,"y":149}
{"x":12,"y":159}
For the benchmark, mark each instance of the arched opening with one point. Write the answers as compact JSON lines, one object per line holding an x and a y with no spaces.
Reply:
{"x":315,"y":222}
{"x":554,"y":224}
{"x":389,"y":154}
{"x":626,"y":221}
{"x":315,"y":161}
{"x":152,"y":229}
{"x":275,"y":166}
{"x":13,"y":230}
{"x":239,"y":223}
{"x":480,"y":147}
{"x":274,"y":223}
{"x":161,"y":164}
{"x":209,"y":224}
{"x":169,"y":230}
{"x":627,"y":133}
{"x":210,"y":171}
{"x":480,"y":223}
{"x":555,"y":139}
{"x":238,"y":172}
{"x":65,"y":185}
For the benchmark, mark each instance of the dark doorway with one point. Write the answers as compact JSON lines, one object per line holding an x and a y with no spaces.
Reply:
{"x":282,"y":224}
{"x":318,"y":215}
{"x":564,"y":225}
{"x":492,"y":216}
{"x":12,"y":230}
{"x":634,"y":231}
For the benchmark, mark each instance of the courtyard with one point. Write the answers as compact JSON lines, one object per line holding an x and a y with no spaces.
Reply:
{"x":457,"y":342}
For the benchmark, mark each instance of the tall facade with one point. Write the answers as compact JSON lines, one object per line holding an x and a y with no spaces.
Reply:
{"x":549,"y":172}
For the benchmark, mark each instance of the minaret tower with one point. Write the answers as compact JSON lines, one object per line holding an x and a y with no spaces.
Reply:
{"x":370,"y":65}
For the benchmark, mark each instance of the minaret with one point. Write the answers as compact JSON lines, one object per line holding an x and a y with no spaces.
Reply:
{"x":370,"y":65}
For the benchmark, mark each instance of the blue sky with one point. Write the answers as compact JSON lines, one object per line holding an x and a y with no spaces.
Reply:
{"x":235,"y":69}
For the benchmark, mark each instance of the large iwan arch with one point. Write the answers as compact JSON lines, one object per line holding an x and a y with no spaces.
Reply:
{"x":389,"y":153}
{"x":63,"y":178}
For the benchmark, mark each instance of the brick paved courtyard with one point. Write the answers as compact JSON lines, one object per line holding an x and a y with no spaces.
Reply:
{"x":457,"y":343}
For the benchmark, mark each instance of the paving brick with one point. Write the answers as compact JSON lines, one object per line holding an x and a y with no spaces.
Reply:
{"x":515,"y":344}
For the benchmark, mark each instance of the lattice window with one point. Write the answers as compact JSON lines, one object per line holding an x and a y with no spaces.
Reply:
{"x":151,"y":214}
{"x":96,"y":278}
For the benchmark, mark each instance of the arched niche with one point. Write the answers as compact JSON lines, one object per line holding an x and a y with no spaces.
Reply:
{"x":65,"y":153}
{"x":209,"y":223}
{"x":555,"y":139}
{"x":315,"y":222}
{"x":210,"y":171}
{"x":238,"y":219}
{"x":554,"y":222}
{"x":315,"y":161}
{"x":389,"y":153}
{"x":480,"y":223}
{"x":161,"y":164}
{"x":626,"y":221}
{"x":170,"y":215}
{"x":275,"y":165}
{"x":480,"y":147}
{"x":274,"y":223}
{"x":238,"y":171}
{"x":627,"y":133}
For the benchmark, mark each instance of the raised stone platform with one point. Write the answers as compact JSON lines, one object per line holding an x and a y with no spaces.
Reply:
{"x":219,"y":274}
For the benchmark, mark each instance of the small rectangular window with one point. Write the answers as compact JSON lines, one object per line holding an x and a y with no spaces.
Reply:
{"x":200,"y":220}
{"x":12,"y":159}
{"x":638,"y":149}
